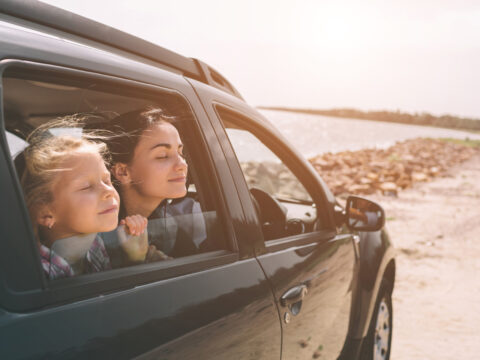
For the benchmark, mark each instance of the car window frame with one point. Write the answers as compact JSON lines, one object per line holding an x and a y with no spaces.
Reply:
{"x":43,"y":293}
{"x":285,"y":199}
{"x":294,"y":164}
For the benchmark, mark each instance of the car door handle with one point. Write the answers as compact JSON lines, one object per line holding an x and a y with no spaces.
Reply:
{"x":293,"y":295}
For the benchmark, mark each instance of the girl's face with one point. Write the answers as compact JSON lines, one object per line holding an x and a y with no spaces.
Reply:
{"x":84,"y":199}
{"x":158,"y":169}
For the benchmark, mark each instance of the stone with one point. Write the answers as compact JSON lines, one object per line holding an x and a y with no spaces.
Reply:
{"x":372,"y":176}
{"x":389,"y":188}
{"x":434,"y":170}
{"x":419,"y":176}
{"x":402,"y":164}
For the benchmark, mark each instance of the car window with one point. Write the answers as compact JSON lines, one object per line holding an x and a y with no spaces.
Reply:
{"x":283,"y":205}
{"x":263,"y":169}
{"x":180,"y":227}
{"x":15,"y":143}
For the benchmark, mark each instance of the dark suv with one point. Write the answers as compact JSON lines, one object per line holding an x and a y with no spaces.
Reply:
{"x":289,"y":273}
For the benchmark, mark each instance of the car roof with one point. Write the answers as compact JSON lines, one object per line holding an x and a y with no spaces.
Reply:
{"x":63,"y":20}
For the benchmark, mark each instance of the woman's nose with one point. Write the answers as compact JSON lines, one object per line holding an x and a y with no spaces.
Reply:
{"x":181,"y":162}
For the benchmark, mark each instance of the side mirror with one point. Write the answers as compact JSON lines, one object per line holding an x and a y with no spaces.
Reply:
{"x":364,"y":215}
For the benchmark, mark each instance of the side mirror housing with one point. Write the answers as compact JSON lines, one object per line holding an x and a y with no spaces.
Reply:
{"x":364,"y":215}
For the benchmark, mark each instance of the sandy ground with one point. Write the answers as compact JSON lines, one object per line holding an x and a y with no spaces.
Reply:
{"x":435,"y":227}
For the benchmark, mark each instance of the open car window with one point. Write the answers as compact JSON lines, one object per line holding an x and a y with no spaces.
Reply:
{"x":184,"y":229}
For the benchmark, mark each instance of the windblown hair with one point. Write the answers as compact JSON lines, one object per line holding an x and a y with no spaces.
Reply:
{"x":125,"y":131}
{"x":45,"y":156}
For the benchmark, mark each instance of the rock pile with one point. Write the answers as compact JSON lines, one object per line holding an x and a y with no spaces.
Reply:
{"x":389,"y":170}
{"x":274,"y":178}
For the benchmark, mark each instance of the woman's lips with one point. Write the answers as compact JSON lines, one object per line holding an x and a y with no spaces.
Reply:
{"x":109,"y":210}
{"x":178,"y":179}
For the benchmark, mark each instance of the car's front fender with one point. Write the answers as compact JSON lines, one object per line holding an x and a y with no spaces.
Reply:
{"x":376,"y":264}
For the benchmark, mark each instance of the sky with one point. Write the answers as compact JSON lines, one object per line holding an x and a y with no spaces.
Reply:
{"x":411,"y":55}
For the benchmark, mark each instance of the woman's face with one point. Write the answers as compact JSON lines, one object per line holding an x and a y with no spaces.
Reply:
{"x":158,"y":170}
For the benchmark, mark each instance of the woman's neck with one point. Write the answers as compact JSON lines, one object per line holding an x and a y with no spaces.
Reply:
{"x":135,"y":204}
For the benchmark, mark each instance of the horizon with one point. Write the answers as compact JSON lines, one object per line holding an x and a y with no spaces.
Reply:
{"x":410,"y":57}
{"x":287,"y":108}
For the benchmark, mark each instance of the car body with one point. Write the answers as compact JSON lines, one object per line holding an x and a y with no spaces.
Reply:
{"x":314,"y":290}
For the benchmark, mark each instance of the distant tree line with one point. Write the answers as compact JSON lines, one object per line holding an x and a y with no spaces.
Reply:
{"x":445,"y":121}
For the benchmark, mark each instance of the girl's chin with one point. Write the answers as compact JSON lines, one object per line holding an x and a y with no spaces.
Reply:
{"x":110,"y":225}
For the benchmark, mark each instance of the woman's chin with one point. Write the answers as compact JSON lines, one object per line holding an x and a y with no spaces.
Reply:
{"x":180,"y":194}
{"x":177,"y":193}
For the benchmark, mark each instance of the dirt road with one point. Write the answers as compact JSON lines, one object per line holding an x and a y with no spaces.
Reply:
{"x":435,"y":227}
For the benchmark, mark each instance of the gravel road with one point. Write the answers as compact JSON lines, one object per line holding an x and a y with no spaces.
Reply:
{"x":435,"y":227}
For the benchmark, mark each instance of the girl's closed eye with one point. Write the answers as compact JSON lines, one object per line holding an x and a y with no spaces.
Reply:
{"x":107,"y":180}
{"x":85,"y":187}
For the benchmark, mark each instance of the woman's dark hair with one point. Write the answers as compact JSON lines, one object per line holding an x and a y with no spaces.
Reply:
{"x":126,"y":130}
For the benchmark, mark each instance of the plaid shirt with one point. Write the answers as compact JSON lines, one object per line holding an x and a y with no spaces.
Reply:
{"x":177,"y":229}
{"x":97,"y":258}
{"x":55,"y":266}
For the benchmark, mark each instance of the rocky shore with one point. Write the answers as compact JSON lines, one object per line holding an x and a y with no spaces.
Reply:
{"x":387,"y":171}
{"x":436,"y":300}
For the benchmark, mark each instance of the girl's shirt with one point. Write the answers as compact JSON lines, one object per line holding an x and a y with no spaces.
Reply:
{"x":54,"y":265}
{"x":66,"y":258}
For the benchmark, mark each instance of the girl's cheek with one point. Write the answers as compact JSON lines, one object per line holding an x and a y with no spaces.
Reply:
{"x":115,"y":194}
{"x":88,"y":197}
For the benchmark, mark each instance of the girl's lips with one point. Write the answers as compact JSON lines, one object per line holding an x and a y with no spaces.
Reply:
{"x":111,"y":209}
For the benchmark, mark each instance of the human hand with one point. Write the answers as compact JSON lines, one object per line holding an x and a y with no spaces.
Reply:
{"x":135,"y":224}
{"x":154,"y":254}
{"x":133,"y":238}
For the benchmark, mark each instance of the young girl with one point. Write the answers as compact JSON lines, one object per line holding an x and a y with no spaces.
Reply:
{"x":71,"y":199}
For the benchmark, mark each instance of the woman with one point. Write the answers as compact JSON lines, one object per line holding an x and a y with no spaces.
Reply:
{"x":150,"y":169}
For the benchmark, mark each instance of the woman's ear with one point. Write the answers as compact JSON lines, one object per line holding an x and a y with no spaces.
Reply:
{"x":121,"y":173}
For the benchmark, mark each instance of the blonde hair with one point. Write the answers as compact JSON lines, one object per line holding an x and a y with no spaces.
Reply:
{"x":45,"y":156}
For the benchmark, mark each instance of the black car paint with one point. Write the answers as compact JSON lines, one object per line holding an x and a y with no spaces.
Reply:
{"x":173,"y":317}
{"x":376,"y":243}
{"x":148,"y":318}
{"x":376,"y":256}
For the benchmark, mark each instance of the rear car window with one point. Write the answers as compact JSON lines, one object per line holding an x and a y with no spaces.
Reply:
{"x":187,"y":225}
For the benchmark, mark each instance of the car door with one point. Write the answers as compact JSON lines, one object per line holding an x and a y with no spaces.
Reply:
{"x":310,"y":267}
{"x":213,"y":304}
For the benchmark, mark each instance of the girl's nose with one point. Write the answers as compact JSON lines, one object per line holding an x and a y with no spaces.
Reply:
{"x":108,"y":190}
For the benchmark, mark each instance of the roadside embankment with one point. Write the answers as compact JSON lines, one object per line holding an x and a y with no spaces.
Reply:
{"x":434,"y":227}
{"x":387,"y":171}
